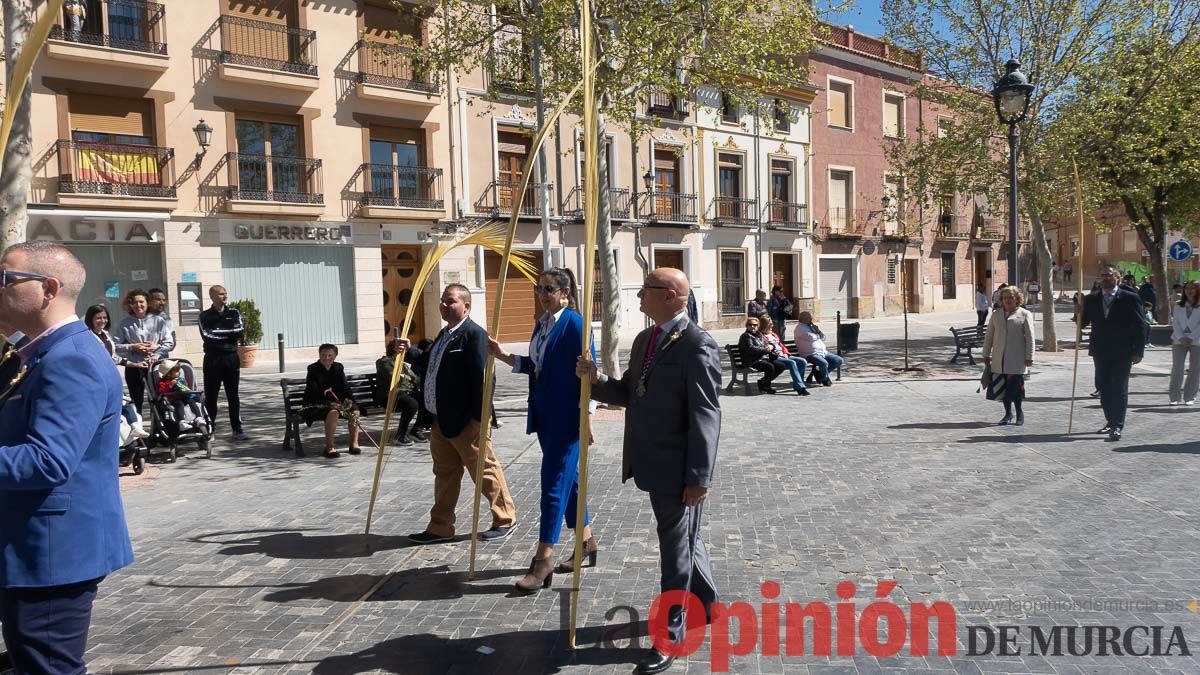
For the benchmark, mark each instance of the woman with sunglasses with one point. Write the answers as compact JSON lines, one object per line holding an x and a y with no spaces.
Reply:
{"x":141,"y":339}
{"x":554,"y":417}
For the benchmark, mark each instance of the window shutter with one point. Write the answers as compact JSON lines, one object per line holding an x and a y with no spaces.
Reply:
{"x":891,"y":116}
{"x":837,"y":105}
{"x":111,"y":115}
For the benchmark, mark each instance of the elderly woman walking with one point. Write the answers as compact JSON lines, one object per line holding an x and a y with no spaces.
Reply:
{"x":1008,"y":349}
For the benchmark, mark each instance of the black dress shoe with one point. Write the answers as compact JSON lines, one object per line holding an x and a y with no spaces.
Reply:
{"x":1006,"y":420}
{"x":1115,"y":434}
{"x":422,"y":538}
{"x":496,"y":533}
{"x":1107,"y":428}
{"x":654,"y":662}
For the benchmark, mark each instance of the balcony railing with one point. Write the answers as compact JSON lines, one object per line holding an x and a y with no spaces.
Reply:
{"x":663,"y":103}
{"x":991,"y":230}
{"x":667,"y":207}
{"x":115,"y":169}
{"x":410,"y":187}
{"x":618,"y":203}
{"x":392,"y":65}
{"x":734,"y":212}
{"x":952,"y":227}
{"x":499,"y":196}
{"x":261,"y":44}
{"x":267,"y":178}
{"x":787,"y":216}
{"x":135,"y":25}
{"x":512,"y":66}
{"x":844,"y":223}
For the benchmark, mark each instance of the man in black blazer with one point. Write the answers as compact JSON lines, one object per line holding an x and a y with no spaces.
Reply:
{"x":1118,"y":341}
{"x":454,"y":366}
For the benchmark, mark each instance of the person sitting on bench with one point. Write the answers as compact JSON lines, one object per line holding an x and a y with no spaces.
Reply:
{"x":757,"y":356}
{"x":810,"y":343}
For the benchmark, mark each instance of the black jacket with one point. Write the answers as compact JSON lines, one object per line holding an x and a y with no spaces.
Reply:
{"x":221,"y":330}
{"x":459,"y":385}
{"x":753,"y":349}
{"x":318,"y":380}
{"x":1120,"y":335}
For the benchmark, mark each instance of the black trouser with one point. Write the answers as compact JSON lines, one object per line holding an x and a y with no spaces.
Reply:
{"x":46,"y":629}
{"x":408,"y":406}
{"x":424,"y":417}
{"x":1112,"y":377}
{"x":135,"y":379}
{"x":982,"y":316}
{"x":769,"y":369}
{"x":223,"y":369}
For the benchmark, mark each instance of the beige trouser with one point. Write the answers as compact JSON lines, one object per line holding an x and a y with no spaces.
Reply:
{"x":1180,"y":390}
{"x":450,"y":455}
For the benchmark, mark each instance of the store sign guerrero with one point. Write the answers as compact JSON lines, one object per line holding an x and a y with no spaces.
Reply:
{"x":97,"y":229}
{"x":251,"y":232}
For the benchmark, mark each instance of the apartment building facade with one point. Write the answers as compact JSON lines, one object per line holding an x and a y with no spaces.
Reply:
{"x":1108,"y":238}
{"x":870,"y":256}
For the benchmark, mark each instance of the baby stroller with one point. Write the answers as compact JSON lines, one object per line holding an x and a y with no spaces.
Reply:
{"x":165,"y":428}
{"x":132,"y":450}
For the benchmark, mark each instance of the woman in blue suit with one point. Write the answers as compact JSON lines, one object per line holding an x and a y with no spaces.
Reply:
{"x":554,"y":417}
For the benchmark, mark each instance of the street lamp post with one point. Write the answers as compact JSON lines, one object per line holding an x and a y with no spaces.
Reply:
{"x":1011,"y":96}
{"x":648,"y":182}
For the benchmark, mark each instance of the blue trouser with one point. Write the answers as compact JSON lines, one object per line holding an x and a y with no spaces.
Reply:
{"x":560,"y":486}
{"x":795,"y":366}
{"x":46,"y":629}
{"x":825,"y":363}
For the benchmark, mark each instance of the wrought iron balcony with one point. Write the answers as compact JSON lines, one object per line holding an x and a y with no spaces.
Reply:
{"x":844,"y":223}
{"x":135,"y":25}
{"x":512,"y":67}
{"x":734,"y":212}
{"x":667,"y":207}
{"x":407,"y":187}
{"x":267,"y":178}
{"x":618,"y":203}
{"x":392,"y":65}
{"x":115,"y":169}
{"x":952,"y":227}
{"x":663,"y":103}
{"x":787,"y":216}
{"x":989,"y":229}
{"x":262,"y":44}
{"x":498,"y":198}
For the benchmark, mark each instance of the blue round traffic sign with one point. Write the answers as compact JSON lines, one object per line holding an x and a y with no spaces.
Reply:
{"x":1180,"y":251}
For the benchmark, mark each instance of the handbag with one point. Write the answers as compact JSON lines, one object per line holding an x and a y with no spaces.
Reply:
{"x":992,"y":385}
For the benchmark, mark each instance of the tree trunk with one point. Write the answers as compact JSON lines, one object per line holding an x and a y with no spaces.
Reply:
{"x":1151,"y":226}
{"x":16,"y":171}
{"x":1041,"y":249}
{"x":607,"y":272}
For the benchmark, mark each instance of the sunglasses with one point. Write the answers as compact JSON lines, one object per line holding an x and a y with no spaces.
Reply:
{"x":12,"y":277}
{"x":548,"y":289}
{"x":650,"y":288}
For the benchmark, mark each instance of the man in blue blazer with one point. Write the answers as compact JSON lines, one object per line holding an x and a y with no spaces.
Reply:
{"x":1118,"y":342}
{"x":63,"y":528}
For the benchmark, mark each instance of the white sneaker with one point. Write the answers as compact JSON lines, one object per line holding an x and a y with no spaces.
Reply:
{"x":139,"y":432}
{"x":1191,"y":402}
{"x":1175,"y":403}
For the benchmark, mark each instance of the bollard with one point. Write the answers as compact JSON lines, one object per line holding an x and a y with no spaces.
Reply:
{"x":838,"y":334}
{"x":281,"y":364}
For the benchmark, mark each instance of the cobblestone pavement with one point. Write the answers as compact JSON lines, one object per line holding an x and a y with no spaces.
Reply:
{"x":256,"y":560}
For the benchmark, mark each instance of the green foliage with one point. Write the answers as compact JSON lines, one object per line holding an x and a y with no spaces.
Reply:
{"x":746,"y":48}
{"x":251,"y":321}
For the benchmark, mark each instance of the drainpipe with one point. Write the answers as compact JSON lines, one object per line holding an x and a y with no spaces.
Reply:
{"x":758,"y":230}
{"x":452,"y":104}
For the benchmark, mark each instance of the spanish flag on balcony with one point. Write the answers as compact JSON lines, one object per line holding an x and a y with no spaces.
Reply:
{"x":117,"y":166}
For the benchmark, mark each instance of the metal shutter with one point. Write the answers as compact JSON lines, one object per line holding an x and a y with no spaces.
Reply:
{"x":836,"y":286}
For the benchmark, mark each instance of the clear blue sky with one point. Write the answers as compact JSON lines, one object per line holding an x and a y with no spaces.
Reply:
{"x":865,"y":16}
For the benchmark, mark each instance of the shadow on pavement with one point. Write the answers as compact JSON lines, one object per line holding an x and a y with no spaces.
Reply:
{"x":295,"y":545}
{"x":1031,"y":438}
{"x":514,"y":652}
{"x":1189,"y":448}
{"x":941,"y":425}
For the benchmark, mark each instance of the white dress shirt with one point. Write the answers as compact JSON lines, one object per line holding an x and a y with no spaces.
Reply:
{"x":541,"y":338}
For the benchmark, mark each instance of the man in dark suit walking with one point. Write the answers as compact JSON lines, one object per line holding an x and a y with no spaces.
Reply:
{"x":1118,"y":341}
{"x":672,"y":422}
{"x":454,"y":367}
{"x":60,"y":412}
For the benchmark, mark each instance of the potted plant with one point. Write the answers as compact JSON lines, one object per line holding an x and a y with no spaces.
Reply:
{"x":251,"y":335}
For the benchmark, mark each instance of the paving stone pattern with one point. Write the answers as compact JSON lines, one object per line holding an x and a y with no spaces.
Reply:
{"x":256,"y":560}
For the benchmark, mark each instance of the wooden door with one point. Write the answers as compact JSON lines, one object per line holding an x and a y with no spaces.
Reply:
{"x":511,"y":149}
{"x":668,"y":258}
{"x":400,"y":267}
{"x":783,"y":273}
{"x":912,"y":283}
{"x":666,"y":183}
{"x":520,"y":305}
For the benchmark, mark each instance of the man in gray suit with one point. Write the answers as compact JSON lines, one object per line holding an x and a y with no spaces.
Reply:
{"x":672,"y":421}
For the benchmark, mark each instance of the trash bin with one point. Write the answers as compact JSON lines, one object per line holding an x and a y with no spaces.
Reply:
{"x":847,"y":337}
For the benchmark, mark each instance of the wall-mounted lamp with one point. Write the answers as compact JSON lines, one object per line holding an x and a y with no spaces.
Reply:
{"x":204,"y":138}
{"x":648,"y":180}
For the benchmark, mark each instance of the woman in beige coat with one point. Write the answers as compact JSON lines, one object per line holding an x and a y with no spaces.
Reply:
{"x":1008,"y":349}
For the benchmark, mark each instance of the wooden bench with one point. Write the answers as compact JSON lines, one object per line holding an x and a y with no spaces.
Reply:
{"x":362,"y":390}
{"x":967,"y":339}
